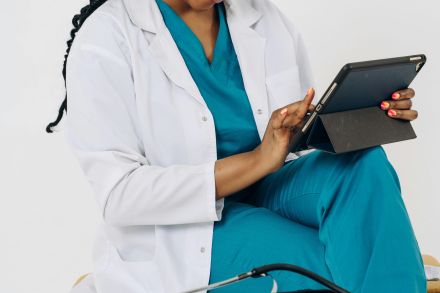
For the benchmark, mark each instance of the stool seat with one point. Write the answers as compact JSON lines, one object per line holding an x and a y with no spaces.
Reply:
{"x":433,"y":286}
{"x":84,"y":284}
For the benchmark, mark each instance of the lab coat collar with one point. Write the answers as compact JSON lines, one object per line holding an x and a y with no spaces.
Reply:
{"x":249,"y":46}
{"x":146,"y":15}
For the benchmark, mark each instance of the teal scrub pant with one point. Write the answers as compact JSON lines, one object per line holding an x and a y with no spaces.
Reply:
{"x":341,"y":216}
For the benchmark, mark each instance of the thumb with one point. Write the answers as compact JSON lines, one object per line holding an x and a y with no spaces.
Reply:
{"x":306,"y":102}
{"x":309,"y":96}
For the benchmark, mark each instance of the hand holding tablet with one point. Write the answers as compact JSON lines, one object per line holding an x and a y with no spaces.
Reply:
{"x":400,"y":105}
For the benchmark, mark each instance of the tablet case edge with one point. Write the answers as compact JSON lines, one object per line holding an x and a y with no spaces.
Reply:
{"x":358,"y":129}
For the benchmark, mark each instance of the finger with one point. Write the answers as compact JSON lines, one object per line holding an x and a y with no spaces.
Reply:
{"x":311,"y":108}
{"x":309,"y":96}
{"x":409,"y":115}
{"x":404,"y":94}
{"x":306,"y":102}
{"x":398,"y":105}
{"x":300,"y":109}
{"x":295,"y":119}
{"x":297,"y":112}
{"x":278,"y":117}
{"x":296,"y":116}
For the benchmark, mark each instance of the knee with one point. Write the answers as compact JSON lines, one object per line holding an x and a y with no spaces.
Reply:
{"x":373,"y":159}
{"x":373,"y":153}
{"x":373,"y":165}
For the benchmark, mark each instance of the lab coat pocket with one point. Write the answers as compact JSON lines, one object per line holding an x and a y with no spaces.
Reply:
{"x":283,"y":88}
{"x":127,"y":276}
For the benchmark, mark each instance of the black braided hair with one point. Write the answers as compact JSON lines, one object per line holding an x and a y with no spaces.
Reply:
{"x":77,"y":22}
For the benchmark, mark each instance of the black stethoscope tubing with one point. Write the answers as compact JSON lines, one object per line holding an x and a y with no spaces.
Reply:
{"x":264,"y":270}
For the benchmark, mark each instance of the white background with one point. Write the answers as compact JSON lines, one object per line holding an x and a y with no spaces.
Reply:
{"x":47,"y":211}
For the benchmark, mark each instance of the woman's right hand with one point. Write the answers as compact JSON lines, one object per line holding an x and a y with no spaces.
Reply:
{"x":283,"y":125}
{"x":239,"y":171}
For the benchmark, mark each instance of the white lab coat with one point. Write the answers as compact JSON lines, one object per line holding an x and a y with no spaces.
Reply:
{"x":145,"y":138}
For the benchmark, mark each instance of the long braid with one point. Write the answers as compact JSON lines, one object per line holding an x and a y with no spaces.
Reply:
{"x":77,"y":22}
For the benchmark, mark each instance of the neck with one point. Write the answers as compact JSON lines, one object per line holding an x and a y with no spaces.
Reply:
{"x":184,"y":10}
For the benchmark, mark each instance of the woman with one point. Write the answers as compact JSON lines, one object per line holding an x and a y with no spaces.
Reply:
{"x":180,"y":114}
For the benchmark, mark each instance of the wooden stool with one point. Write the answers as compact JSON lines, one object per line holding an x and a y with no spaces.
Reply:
{"x":80,"y":279}
{"x":433,"y":286}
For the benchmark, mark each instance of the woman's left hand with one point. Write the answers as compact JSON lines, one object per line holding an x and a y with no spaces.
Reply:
{"x":400,"y":105}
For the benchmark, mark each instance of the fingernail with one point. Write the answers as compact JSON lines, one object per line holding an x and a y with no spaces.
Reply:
{"x":284,"y":111}
{"x":309,"y":91}
{"x":384,"y":105}
{"x":395,"y":96}
{"x":392,"y":113}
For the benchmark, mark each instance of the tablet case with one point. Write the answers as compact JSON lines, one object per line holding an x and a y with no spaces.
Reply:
{"x":351,"y":118}
{"x":358,"y":129}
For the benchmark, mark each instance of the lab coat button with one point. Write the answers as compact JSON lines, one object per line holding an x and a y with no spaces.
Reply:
{"x":259,"y":111}
{"x":202,"y":249}
{"x":204,"y":118}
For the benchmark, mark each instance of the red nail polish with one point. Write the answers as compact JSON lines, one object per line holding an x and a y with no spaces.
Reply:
{"x":395,"y":96}
{"x":392,"y":113}
{"x":384,"y":105}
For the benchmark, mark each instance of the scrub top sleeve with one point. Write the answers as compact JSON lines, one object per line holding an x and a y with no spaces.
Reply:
{"x":101,"y":129}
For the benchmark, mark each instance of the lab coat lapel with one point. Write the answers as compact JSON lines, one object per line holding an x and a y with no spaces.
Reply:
{"x":248,"y":44}
{"x":146,"y":15}
{"x":167,"y":54}
{"x":250,"y":49}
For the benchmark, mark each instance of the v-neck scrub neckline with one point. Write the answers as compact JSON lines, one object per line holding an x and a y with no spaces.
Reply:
{"x":183,"y":34}
{"x":220,"y":83}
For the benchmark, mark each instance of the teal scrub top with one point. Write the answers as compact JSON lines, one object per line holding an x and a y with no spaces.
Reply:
{"x":220,"y":82}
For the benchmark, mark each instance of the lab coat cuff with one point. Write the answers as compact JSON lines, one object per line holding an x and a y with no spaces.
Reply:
{"x":291,"y":157}
{"x":219,"y":205}
{"x":215,"y":207}
{"x":303,"y":153}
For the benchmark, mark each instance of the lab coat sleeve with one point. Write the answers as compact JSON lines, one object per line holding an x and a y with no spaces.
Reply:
{"x":101,"y":129}
{"x":302,"y":59}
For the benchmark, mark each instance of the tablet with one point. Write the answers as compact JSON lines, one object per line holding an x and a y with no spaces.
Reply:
{"x":361,"y":85}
